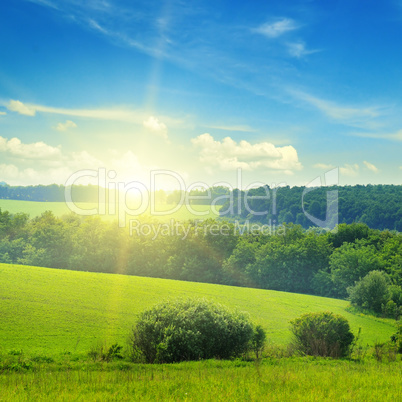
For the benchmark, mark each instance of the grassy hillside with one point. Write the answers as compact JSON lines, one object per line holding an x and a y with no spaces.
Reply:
{"x":60,"y":208}
{"x":52,"y":311}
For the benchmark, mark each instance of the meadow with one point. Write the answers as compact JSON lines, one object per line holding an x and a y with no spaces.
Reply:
{"x":51,"y":312}
{"x":51,"y":318}
{"x":295,"y":379}
{"x":183,"y":213}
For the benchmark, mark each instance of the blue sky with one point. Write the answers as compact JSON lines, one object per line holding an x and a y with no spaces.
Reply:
{"x":284,"y":91}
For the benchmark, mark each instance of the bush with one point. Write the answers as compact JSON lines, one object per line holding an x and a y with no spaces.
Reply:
{"x":385,"y":351}
{"x":190,"y":329}
{"x":322,"y":334}
{"x":372,"y":292}
{"x":397,"y":337}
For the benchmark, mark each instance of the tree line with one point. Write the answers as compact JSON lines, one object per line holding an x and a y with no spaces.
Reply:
{"x":50,"y":193}
{"x":292,"y":259}
{"x":378,"y":206}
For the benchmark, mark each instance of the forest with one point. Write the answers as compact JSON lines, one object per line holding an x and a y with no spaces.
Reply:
{"x":378,"y":206}
{"x":291,"y":259}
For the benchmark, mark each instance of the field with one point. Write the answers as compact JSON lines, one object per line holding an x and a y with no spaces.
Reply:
{"x":274,"y":380}
{"x":34,"y":209}
{"x":49,"y":311}
{"x":51,"y":318}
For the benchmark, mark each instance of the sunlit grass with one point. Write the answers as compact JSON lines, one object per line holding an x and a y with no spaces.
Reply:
{"x":164,"y":212}
{"x":51,"y":311}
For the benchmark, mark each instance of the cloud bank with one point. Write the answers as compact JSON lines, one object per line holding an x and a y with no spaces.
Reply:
{"x":228,"y":155}
{"x":36,"y":150}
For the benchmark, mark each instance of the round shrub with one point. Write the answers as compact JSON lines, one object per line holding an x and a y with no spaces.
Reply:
{"x":322,"y":334}
{"x":189,"y":329}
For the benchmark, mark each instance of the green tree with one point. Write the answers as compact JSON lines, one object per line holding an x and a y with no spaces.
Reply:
{"x":371,"y":292}
{"x":236,"y":266}
{"x":348,"y":234}
{"x":48,"y":232}
{"x":258,"y":341}
{"x":290,"y":263}
{"x":351,"y":262}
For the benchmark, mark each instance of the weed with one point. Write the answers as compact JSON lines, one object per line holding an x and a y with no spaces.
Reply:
{"x":102,"y":352}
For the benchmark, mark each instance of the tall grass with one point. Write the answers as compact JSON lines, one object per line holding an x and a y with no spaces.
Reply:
{"x":274,"y":380}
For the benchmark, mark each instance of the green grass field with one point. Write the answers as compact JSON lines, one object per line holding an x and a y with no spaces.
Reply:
{"x":49,"y":311}
{"x":50,"y":319}
{"x":34,"y":209}
{"x":274,"y":380}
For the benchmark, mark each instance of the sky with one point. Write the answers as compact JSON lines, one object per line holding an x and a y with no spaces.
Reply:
{"x":217,"y":92}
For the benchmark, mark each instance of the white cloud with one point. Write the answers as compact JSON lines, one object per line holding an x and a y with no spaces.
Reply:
{"x":102,"y":114}
{"x":19,"y":175}
{"x":154,"y":125}
{"x":65,"y":126}
{"x":278,"y":28}
{"x":355,"y":116}
{"x":3,"y":113}
{"x":40,"y":163}
{"x":113,"y":114}
{"x":350,"y":170}
{"x":83,"y":159}
{"x":370,"y":166}
{"x":11,"y":172}
{"x":44,"y":3}
{"x":53,"y":166}
{"x":89,"y":13}
{"x":299,"y":50}
{"x":228,"y":155}
{"x":323,"y":166}
{"x":36,"y":150}
{"x":19,"y":107}
{"x":95,"y":25}
{"x":396,"y":136}
{"x":8,"y":171}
